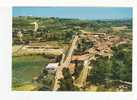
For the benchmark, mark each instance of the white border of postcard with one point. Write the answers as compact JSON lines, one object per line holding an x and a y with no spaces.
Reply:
{"x":6,"y":59}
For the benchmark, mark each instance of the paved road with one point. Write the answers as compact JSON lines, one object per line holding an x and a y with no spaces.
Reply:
{"x":65,"y":63}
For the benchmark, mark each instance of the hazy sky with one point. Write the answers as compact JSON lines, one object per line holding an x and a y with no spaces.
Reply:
{"x":75,"y":12}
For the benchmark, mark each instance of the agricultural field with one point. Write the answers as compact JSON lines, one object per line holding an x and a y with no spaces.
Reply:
{"x":25,"y":68}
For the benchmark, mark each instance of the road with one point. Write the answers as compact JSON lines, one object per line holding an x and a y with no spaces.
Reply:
{"x":83,"y":75}
{"x":81,"y":80}
{"x":65,"y":63}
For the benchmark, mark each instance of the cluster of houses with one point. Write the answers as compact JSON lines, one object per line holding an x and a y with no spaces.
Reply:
{"x":102,"y":46}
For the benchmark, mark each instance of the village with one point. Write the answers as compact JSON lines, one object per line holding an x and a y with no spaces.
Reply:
{"x":71,"y":50}
{"x":99,"y":44}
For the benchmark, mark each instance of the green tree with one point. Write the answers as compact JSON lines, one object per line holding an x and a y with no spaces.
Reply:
{"x":101,"y":70}
{"x":118,"y":67}
{"x":122,"y":62}
{"x":66,"y":83}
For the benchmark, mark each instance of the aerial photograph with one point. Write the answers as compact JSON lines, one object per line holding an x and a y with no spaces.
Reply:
{"x":87,"y":49}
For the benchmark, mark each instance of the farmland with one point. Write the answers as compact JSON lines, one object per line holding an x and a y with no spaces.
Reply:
{"x":25,"y":68}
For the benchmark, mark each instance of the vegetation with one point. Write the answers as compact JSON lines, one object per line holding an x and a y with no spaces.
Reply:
{"x":59,"y":29}
{"x":46,"y":82}
{"x":78,"y":69}
{"x":122,"y":63}
{"x":118,"y":67}
{"x":24,"y":68}
{"x":101,"y":70}
{"x":66,"y":83}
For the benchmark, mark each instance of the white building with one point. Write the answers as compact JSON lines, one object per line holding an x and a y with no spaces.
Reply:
{"x":52,"y":67}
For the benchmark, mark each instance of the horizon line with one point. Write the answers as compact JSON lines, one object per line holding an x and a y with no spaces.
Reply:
{"x":76,"y":18}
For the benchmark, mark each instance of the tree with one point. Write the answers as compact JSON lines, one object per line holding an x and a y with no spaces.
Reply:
{"x":66,"y":83}
{"x":122,"y":62}
{"x":78,"y":69}
{"x":45,"y":79}
{"x":101,"y":70}
{"x":118,"y":67}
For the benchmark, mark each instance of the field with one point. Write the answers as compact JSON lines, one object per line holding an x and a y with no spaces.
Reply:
{"x":25,"y":68}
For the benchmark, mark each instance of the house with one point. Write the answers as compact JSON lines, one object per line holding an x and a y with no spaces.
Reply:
{"x":52,"y":67}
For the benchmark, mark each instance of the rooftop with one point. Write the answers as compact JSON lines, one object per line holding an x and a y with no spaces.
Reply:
{"x":52,"y":65}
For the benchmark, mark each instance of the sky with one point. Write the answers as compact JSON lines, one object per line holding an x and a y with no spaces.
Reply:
{"x":76,"y":12}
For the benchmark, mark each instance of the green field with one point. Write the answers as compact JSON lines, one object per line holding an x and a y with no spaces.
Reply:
{"x":25,"y":68}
